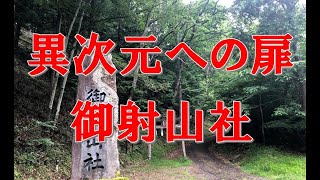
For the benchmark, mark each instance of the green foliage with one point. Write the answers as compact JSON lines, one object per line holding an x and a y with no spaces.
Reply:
{"x":159,"y":160}
{"x":255,"y":89}
{"x":42,"y":163}
{"x":17,"y":174}
{"x":267,"y":161}
{"x":48,"y":124}
{"x":159,"y":150}
{"x":201,"y":26}
{"x":291,"y":117}
{"x":289,"y":110}
{"x":281,"y":96}
{"x":41,"y":141}
{"x":274,"y":164}
{"x":170,"y":163}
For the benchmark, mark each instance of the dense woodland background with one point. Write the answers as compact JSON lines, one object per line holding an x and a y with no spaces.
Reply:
{"x":276,"y":104}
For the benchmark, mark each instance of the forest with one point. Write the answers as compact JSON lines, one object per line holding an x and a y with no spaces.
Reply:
{"x":276,"y":104}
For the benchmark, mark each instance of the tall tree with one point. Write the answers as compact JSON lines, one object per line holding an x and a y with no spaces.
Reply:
{"x":53,"y":92}
{"x":65,"y":78}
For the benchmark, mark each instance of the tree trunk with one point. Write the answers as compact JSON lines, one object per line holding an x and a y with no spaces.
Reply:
{"x":301,"y":73}
{"x":108,"y":153}
{"x":178,"y":89}
{"x":53,"y":94}
{"x":180,"y":99}
{"x":118,"y":34}
{"x":208,"y":71}
{"x":178,"y":93}
{"x":71,"y":26}
{"x":17,"y":34}
{"x":304,"y":97}
{"x":184,"y":149}
{"x":65,"y":52}
{"x":136,"y":71}
{"x":65,"y":78}
{"x":149,"y":151}
{"x":134,"y":82}
{"x":54,"y":76}
{"x":262,"y":121}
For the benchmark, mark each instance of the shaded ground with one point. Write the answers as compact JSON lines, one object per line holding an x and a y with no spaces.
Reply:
{"x":182,"y":173}
{"x":205,"y":165}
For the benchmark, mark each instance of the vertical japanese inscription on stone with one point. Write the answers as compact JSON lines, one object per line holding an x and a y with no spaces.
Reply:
{"x":92,"y":159}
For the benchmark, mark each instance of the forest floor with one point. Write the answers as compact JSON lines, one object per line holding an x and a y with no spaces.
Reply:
{"x":204,"y":164}
{"x":207,"y":165}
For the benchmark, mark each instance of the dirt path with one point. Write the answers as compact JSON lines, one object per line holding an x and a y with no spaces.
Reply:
{"x":206,"y":165}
